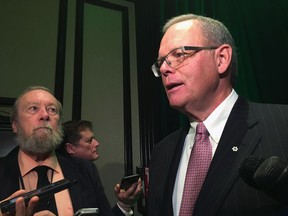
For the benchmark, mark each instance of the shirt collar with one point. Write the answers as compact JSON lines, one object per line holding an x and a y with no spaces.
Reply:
{"x":26,"y":163}
{"x":216,"y":121}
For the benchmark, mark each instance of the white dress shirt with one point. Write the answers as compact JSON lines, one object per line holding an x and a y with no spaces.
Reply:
{"x":215,"y":125}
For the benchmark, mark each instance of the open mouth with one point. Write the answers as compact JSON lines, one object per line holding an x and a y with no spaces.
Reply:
{"x":172,"y":86}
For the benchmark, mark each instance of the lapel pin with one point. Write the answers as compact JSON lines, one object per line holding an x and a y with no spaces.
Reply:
{"x":235,"y":148}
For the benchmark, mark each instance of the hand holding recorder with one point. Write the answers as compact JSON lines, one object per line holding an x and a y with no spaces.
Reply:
{"x":128,"y":191}
{"x":20,"y":207}
{"x":18,"y":202}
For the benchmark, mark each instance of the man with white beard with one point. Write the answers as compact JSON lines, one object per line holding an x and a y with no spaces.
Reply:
{"x":36,"y":121}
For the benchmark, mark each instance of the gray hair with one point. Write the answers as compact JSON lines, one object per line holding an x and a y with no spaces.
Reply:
{"x":216,"y":33}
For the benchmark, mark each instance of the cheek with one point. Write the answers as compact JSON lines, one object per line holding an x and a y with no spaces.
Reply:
{"x":91,"y":148}
{"x":193,"y":77}
{"x":25,"y":126}
{"x":206,"y":72}
{"x":86,"y":148}
{"x":55,"y":120}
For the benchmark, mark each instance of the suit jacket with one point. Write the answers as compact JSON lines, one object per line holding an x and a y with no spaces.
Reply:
{"x":253,"y":128}
{"x":87,"y":192}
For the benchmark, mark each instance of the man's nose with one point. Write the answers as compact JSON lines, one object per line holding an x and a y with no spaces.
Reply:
{"x":44,"y":115}
{"x":95,"y":142}
{"x":165,"y":69}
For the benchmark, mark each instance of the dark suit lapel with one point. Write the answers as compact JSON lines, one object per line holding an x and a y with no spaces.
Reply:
{"x":67,"y":169}
{"x":166,"y":170}
{"x":176,"y":153}
{"x":12,"y":172}
{"x":238,"y":140}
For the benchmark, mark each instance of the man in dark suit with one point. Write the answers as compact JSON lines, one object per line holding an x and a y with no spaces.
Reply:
{"x":79,"y":141}
{"x":36,"y":120}
{"x":197,"y":64}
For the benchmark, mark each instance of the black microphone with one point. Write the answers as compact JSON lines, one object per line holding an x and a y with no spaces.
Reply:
{"x":269,"y":175}
{"x":248,"y":168}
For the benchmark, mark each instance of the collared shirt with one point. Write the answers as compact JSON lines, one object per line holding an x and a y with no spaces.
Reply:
{"x":28,"y":180}
{"x":215,"y":125}
{"x":130,"y":213}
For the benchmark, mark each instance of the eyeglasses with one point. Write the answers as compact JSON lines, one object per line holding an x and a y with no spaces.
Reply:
{"x":176,"y":56}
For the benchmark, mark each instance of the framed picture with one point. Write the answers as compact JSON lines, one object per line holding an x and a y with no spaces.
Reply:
{"x":7,"y":142}
{"x":5,"y":110}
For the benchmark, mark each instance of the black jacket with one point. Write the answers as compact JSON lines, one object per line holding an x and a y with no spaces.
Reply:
{"x":253,"y":128}
{"x":88,"y":192}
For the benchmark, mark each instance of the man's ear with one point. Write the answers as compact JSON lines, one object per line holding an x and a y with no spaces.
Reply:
{"x":70,"y":148}
{"x":224,"y":56}
{"x":14,"y":126}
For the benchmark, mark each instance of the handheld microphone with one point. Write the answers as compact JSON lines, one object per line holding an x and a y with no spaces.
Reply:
{"x":269,"y":175}
{"x":248,"y":168}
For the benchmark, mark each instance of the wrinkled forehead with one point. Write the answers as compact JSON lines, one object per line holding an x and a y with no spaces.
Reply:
{"x":38,"y":97}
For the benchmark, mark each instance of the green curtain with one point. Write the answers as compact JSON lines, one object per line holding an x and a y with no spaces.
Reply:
{"x":260,"y":30}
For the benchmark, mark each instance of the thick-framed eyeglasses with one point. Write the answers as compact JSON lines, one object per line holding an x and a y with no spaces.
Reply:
{"x":176,"y":56}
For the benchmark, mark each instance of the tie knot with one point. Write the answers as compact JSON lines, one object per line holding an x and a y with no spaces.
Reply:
{"x":42,"y":176}
{"x":41,"y":170}
{"x":201,"y":129}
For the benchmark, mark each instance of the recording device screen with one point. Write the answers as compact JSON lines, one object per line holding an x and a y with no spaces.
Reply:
{"x":9,"y":205}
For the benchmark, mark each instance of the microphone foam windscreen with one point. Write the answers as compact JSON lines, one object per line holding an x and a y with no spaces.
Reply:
{"x":268,"y":173}
{"x":248,"y":168}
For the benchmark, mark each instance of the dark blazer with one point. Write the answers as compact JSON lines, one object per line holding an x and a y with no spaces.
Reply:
{"x":87,"y":192}
{"x":253,"y":128}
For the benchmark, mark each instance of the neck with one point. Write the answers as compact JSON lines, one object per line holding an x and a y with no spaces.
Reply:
{"x":38,"y":157}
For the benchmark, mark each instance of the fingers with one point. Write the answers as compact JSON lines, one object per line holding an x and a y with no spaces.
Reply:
{"x":20,"y":207}
{"x":32,"y":205}
{"x":139,"y":186}
{"x":131,"y":195}
{"x":19,"y":203}
{"x":44,"y":213}
{"x":135,"y":188}
{"x":117,"y":188}
{"x":17,"y":193}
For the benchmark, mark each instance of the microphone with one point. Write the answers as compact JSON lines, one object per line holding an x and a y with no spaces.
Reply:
{"x":269,"y":175}
{"x":248,"y":167}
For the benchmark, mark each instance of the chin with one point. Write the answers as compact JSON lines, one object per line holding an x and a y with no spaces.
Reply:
{"x":175,"y":101}
{"x":96,"y":157}
{"x":176,"y":105}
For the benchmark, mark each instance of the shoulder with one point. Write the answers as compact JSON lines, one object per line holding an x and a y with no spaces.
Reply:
{"x":10,"y":158}
{"x":84,"y":171}
{"x":272,"y":111}
{"x":174,"y":137}
{"x":168,"y":146}
{"x":73,"y":161}
{"x":76,"y":165}
{"x":260,"y":111}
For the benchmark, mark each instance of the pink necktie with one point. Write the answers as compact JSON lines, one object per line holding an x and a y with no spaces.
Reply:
{"x":199,"y":162}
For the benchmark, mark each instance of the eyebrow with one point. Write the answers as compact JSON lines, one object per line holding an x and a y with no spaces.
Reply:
{"x":163,"y":57}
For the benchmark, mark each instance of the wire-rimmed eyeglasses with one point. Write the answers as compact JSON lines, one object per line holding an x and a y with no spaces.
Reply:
{"x":176,"y":56}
